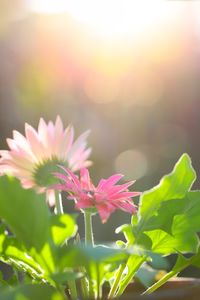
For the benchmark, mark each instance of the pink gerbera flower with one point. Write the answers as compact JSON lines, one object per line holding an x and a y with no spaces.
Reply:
{"x":32,"y":158}
{"x":105,"y":198}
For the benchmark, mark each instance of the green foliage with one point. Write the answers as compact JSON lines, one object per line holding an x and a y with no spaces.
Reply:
{"x":24,"y":212}
{"x":97,"y":261}
{"x":35,"y":242}
{"x":163,"y":224}
{"x":34,"y":247}
{"x":63,"y":227}
{"x":13,"y":253}
{"x":171,"y":187}
{"x":31,"y":292}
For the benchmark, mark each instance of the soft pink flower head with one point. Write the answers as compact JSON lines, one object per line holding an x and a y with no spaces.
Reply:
{"x":32,"y":158}
{"x":106,"y":197}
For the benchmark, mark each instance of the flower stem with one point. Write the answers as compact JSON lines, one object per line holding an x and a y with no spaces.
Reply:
{"x":89,"y":240}
{"x":58,"y":200}
{"x":60,"y":211}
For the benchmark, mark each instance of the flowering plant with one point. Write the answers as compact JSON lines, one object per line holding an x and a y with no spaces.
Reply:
{"x":42,"y":244}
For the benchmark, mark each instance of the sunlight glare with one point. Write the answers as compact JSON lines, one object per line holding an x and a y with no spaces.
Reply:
{"x":113,"y":18}
{"x":47,"y":6}
{"x":116,"y":18}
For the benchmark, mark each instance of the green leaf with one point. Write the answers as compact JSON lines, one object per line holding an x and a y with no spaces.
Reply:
{"x":132,"y":238}
{"x":172,"y":186}
{"x":62,"y":227}
{"x":133,"y":264}
{"x":66,"y":276}
{"x":166,"y":210}
{"x":31,"y":292}
{"x":151,"y":229}
{"x":81,"y":255}
{"x":97,"y":261}
{"x":39,"y":234}
{"x":166,"y":244}
{"x":13,"y":253}
{"x":179,"y":224}
{"x":25,"y":212}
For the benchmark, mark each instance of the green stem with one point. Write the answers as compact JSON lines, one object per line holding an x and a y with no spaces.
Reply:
{"x":60,"y":211}
{"x":62,"y":291}
{"x":130,"y":275}
{"x":84,"y":285}
{"x":159,"y":283}
{"x":83,"y":280}
{"x":89,"y":241}
{"x":88,"y":229}
{"x":99,"y":285}
{"x":165,"y":278}
{"x":116,"y":281}
{"x":59,"y":206}
{"x":73,"y":292}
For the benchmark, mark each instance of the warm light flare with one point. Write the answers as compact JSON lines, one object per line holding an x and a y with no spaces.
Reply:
{"x":113,"y":18}
{"x":116,"y":18}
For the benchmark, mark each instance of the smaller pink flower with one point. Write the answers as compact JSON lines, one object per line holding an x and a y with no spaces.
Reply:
{"x":106,"y":197}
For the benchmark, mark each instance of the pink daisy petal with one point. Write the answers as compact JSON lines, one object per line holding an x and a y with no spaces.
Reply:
{"x":40,"y":149}
{"x":119,"y":188}
{"x":85,"y":180}
{"x":109,"y":182}
{"x":123,"y":195}
{"x":126,"y":206}
{"x":104,"y":212}
{"x":83,"y":204}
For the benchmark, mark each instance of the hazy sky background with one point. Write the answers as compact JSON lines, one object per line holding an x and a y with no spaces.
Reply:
{"x":128,"y":70}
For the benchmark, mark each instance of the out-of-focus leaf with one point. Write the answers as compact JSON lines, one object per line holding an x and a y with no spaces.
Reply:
{"x":146,"y":275}
{"x":3,"y":283}
{"x":25,"y":212}
{"x":66,"y":276}
{"x":38,"y":235}
{"x":13,"y":253}
{"x":97,"y":261}
{"x":62,"y":228}
{"x":81,"y":255}
{"x":31,"y":292}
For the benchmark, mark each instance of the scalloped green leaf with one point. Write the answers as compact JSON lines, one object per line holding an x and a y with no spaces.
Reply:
{"x":153,"y":226}
{"x":164,"y":243}
{"x":179,"y":224}
{"x":172,"y":186}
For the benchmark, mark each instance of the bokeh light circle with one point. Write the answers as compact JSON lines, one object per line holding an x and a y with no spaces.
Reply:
{"x":132,"y":163}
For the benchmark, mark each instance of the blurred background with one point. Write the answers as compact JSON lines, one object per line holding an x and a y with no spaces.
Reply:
{"x":128,"y":70}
